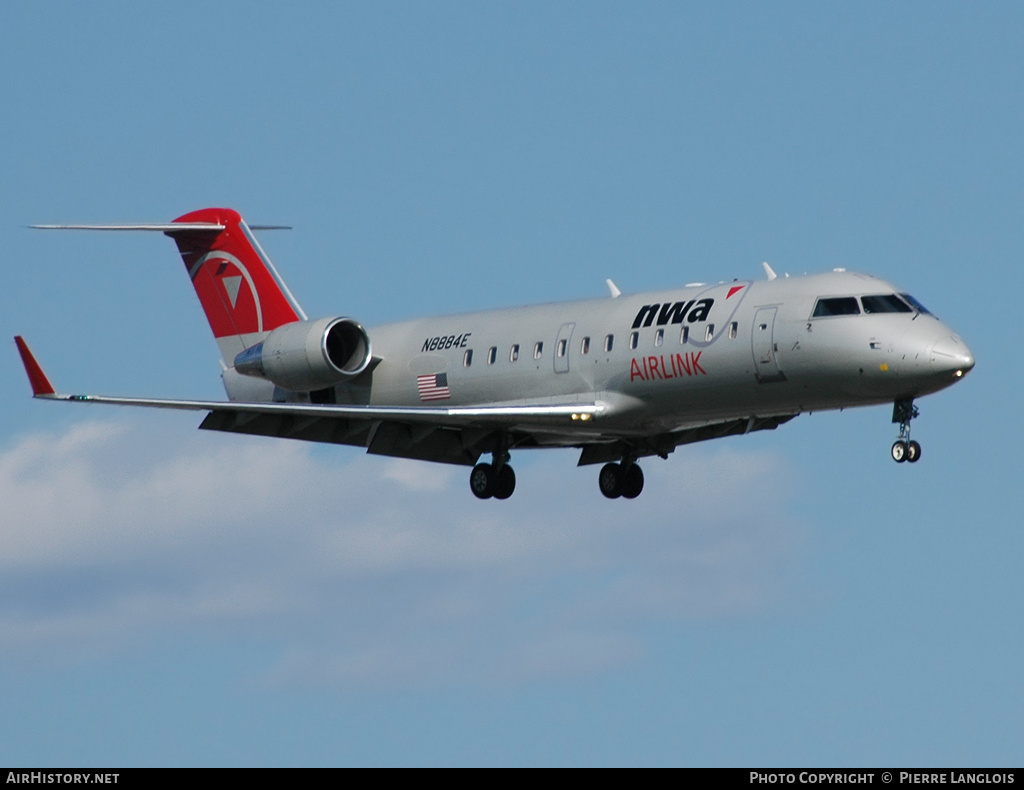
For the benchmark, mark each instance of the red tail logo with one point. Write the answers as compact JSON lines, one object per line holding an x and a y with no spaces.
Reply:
{"x":236,"y":284}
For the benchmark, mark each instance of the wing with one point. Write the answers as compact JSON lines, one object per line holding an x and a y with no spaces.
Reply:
{"x":454,"y":435}
{"x":457,"y":435}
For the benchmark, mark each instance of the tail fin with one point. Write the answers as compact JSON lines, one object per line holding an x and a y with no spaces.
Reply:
{"x":241,"y":292}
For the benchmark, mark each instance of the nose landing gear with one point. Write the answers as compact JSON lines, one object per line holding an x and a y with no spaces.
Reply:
{"x":903,"y":449}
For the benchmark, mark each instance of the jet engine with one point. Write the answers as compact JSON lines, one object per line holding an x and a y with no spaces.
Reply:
{"x":308,"y":355}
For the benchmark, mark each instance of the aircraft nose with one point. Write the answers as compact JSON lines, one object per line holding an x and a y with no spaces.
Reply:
{"x":952,"y":354}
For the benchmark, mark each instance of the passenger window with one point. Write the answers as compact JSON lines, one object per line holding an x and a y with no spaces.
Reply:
{"x":733,"y":330}
{"x":538,"y":349}
{"x":513,"y":355}
{"x":684,"y":334}
{"x":659,"y":337}
{"x":467,"y":358}
{"x":585,"y":346}
{"x":492,"y":354}
{"x":609,"y":340}
{"x":839,"y":305}
{"x":709,"y":332}
{"x":561,"y":348}
{"x":886,"y":303}
{"x":634,"y":339}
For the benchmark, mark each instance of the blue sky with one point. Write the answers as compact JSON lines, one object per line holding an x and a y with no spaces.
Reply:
{"x":169,"y":597}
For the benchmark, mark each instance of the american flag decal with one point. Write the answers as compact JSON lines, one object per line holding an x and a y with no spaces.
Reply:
{"x":433,"y":387}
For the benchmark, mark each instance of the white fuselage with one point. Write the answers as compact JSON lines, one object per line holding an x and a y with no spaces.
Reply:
{"x":671,"y":360}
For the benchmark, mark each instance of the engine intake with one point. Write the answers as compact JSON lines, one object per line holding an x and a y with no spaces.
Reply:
{"x":308,"y":355}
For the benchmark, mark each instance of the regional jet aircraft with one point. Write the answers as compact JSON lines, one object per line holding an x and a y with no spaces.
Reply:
{"x":620,"y":378}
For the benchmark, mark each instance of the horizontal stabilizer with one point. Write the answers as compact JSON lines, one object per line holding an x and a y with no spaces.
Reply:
{"x":161,"y":227}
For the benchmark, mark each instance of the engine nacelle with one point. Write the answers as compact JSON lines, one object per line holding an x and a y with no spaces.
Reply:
{"x":309,"y":355}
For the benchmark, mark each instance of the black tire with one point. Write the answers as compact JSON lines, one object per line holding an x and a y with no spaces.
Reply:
{"x":899,"y":451}
{"x":505,"y":483}
{"x":481,"y":481}
{"x":633,"y":482}
{"x":913,"y":452}
{"x":610,"y":480}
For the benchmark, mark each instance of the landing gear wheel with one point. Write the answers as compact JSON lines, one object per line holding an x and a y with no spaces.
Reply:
{"x":505,"y":483}
{"x":632,"y":482}
{"x":482,"y":481}
{"x":610,"y":480}
{"x":903,"y":411}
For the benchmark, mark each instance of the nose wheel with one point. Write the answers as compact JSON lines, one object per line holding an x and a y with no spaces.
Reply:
{"x":903,"y":449}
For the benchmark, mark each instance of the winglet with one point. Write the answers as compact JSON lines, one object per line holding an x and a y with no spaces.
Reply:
{"x":768,"y":271}
{"x":40,"y":384}
{"x":613,"y":289}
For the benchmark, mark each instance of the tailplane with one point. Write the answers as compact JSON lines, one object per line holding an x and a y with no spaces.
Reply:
{"x":266,"y":342}
{"x":242,"y":294}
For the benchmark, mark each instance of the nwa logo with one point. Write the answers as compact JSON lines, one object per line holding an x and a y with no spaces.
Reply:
{"x":228,"y":294}
{"x":673,"y":312}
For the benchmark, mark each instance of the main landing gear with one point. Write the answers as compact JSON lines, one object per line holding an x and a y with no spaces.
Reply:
{"x":495,"y":479}
{"x":487,"y":480}
{"x":625,"y":480}
{"x":903,"y":449}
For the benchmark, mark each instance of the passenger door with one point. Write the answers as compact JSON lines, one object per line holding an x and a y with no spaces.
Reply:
{"x":562,"y":348}
{"x":764,"y":348}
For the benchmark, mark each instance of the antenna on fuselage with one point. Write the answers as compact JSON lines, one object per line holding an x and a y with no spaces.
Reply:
{"x":768,"y":270}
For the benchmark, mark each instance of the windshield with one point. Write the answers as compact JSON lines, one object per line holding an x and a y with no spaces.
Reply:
{"x":916,"y":304}
{"x":885,"y":303}
{"x":839,"y":305}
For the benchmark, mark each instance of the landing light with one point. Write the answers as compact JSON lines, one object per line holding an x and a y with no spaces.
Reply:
{"x":583,"y":417}
{"x":959,"y":373}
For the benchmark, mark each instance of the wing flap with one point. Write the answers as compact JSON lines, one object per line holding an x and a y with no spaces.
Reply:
{"x":665,"y":443}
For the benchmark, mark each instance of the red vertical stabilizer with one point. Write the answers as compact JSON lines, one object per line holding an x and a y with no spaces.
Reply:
{"x":241,"y":293}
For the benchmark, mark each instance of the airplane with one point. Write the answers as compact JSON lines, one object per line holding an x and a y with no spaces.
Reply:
{"x":620,"y":378}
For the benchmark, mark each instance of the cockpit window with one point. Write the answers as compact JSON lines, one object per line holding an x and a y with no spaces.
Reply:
{"x":885,"y":303}
{"x":838,"y":305}
{"x":916,"y":304}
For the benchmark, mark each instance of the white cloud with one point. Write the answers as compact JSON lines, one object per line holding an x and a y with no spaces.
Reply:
{"x":363,"y":571}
